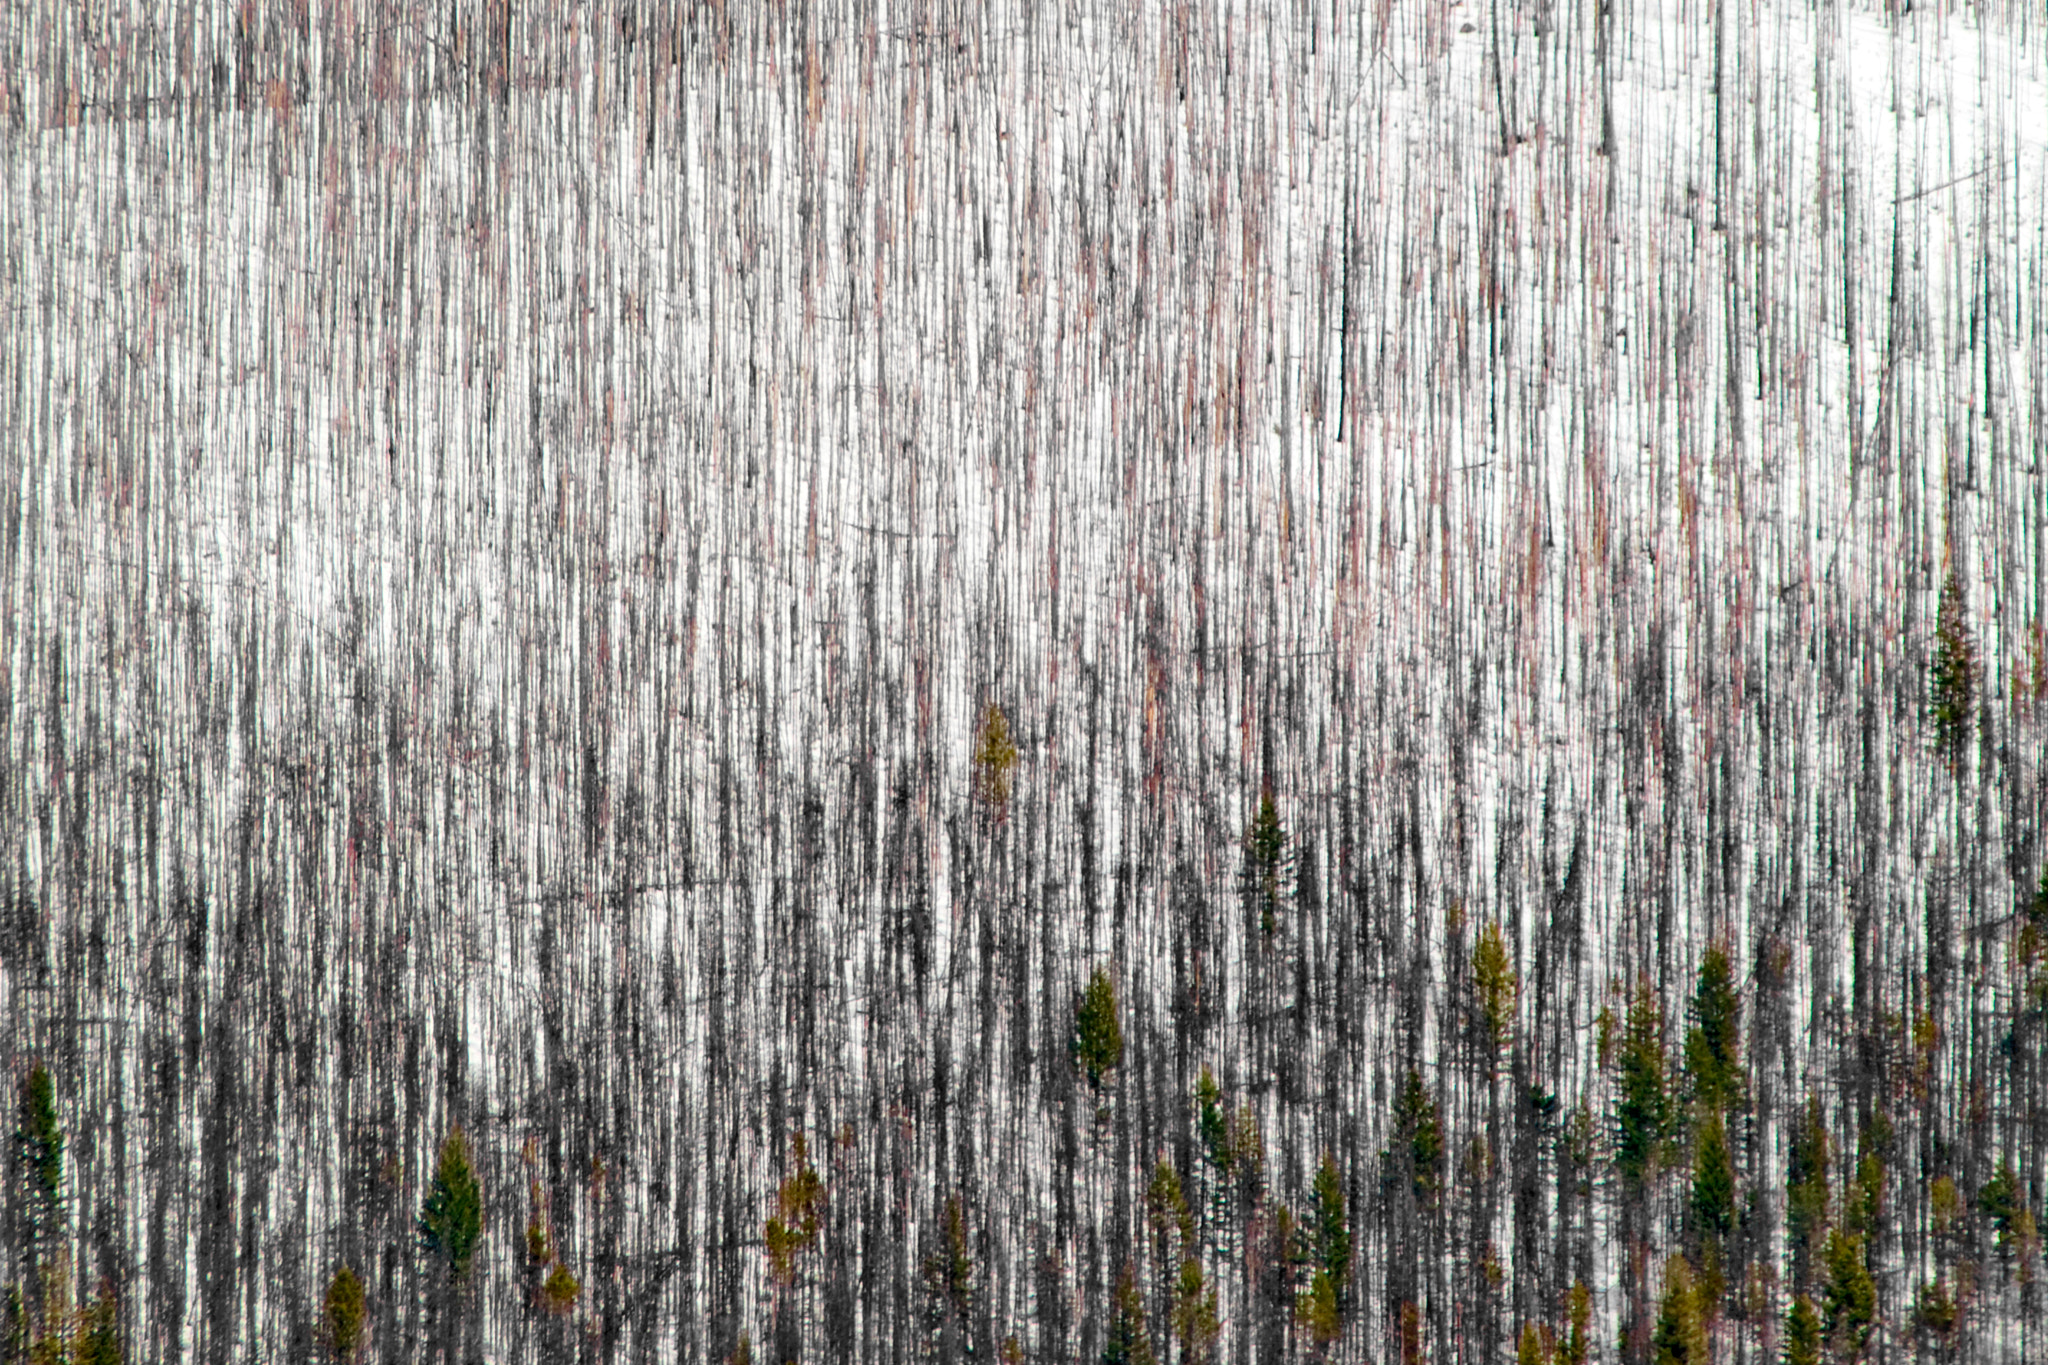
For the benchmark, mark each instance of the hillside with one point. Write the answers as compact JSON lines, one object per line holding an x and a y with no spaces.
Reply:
{"x":520,"y":528}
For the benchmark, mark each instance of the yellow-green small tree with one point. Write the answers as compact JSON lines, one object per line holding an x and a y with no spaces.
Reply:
{"x":1802,"y":1333}
{"x":99,"y":1332}
{"x":793,"y":1228}
{"x":342,"y":1313}
{"x":559,"y":1291}
{"x":1494,"y":984}
{"x":1680,"y":1337}
{"x":1129,"y":1342}
{"x":995,"y":761}
{"x":1849,"y":1303}
{"x":1642,"y":1115}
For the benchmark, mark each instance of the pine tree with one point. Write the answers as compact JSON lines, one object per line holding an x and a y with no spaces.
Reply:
{"x":1318,"y":1310}
{"x":99,"y":1332}
{"x":451,"y":1220}
{"x":1266,"y":851}
{"x":1680,"y":1338}
{"x":1802,"y":1333}
{"x":995,"y":759}
{"x":560,"y":1290}
{"x":2001,"y":1202}
{"x":1098,"y":1037}
{"x":1494,"y":984}
{"x":1166,"y":1209}
{"x":1195,"y":1321}
{"x":343,"y":1312}
{"x":949,"y":1270}
{"x":1712,"y":1048}
{"x":1415,"y":1118}
{"x":1806,"y":1191}
{"x":1643,"y":1112}
{"x":1952,"y":684}
{"x":1713,"y":1181}
{"x":1849,"y":1303}
{"x":1578,"y":1336}
{"x":793,"y":1227}
{"x":1332,"y":1229}
{"x":1128,"y":1342}
{"x":1212,"y":1119}
{"x":40,"y":1141}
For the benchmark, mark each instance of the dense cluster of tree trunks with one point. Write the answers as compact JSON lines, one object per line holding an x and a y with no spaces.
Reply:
{"x":520,"y":526}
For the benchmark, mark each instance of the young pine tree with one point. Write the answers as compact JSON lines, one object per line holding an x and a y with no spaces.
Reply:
{"x":342,"y":1314}
{"x":1806,"y":1192}
{"x":1849,"y":1304}
{"x":1802,"y":1333}
{"x":40,"y":1142}
{"x":1098,"y":1037}
{"x":1680,"y":1337}
{"x":1128,"y":1342}
{"x":1415,"y":1118}
{"x":1266,"y":853}
{"x":1713,"y":1047}
{"x":1952,"y":681}
{"x":1493,"y":986}
{"x":451,"y":1220}
{"x":1195,"y":1322}
{"x":1642,"y":1115}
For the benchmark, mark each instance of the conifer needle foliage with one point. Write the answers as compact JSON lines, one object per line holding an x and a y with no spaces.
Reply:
{"x":995,"y":761}
{"x":1952,"y":684}
{"x":1098,"y":1036}
{"x":343,"y":1313}
{"x":451,"y":1220}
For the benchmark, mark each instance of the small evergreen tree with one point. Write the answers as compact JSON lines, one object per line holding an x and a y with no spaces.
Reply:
{"x":1713,"y":1047}
{"x":1195,"y":1321}
{"x":451,"y":1220}
{"x":1332,"y":1228}
{"x":99,"y":1332}
{"x":1578,"y":1337}
{"x":1212,"y":1119}
{"x":1680,"y":1337}
{"x":1494,"y":984}
{"x":1850,"y":1301}
{"x":1166,"y":1208}
{"x":1806,"y":1191}
{"x":1713,"y":1181}
{"x":343,"y":1312}
{"x":995,"y":759}
{"x":793,"y":1227}
{"x":1643,"y":1112}
{"x":1802,"y":1333}
{"x":1952,"y":689}
{"x":1415,"y":1118}
{"x":1266,"y":852}
{"x":40,"y":1142}
{"x":2001,"y":1202}
{"x":1128,"y":1342}
{"x":1098,"y":1037}
{"x":949,"y":1270}
{"x":1934,"y":1310}
{"x":560,"y":1290}
{"x":1319,"y":1312}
